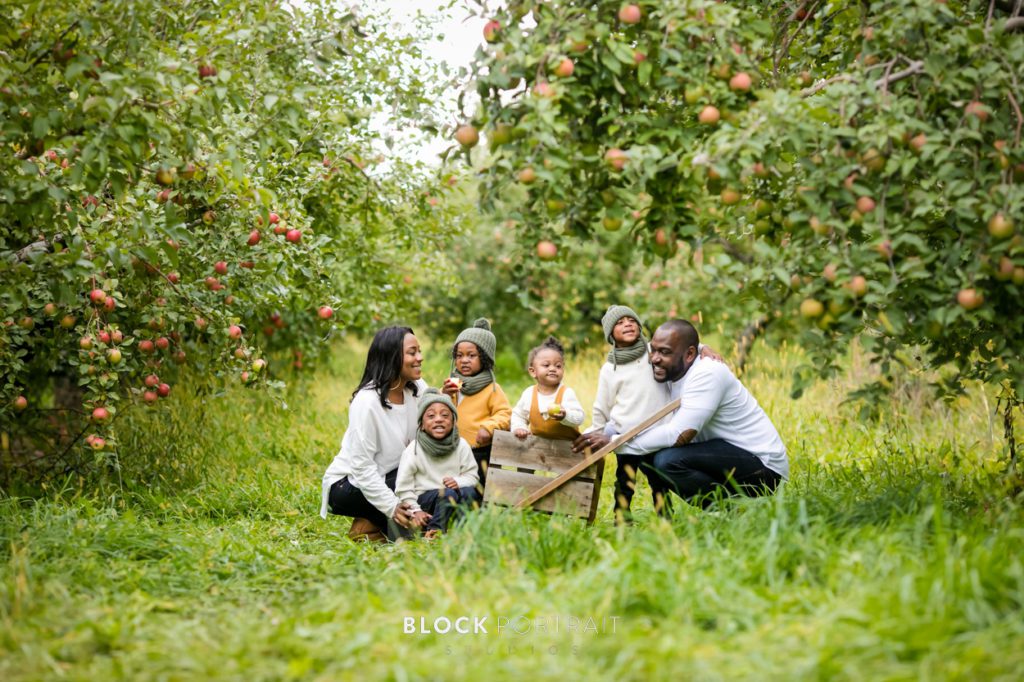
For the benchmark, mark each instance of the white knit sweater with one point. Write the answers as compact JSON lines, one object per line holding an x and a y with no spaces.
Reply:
{"x":419,"y":472}
{"x":626,"y":395}
{"x":372,"y":446}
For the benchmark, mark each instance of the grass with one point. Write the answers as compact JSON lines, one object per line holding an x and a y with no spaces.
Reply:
{"x":893,"y":553}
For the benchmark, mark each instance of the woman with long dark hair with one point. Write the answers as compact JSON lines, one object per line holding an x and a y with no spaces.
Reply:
{"x":360,"y":482}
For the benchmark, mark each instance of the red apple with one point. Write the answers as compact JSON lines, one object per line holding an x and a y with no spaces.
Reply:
{"x":616,"y":158}
{"x":150,"y":397}
{"x":467,"y":136}
{"x":116,"y":336}
{"x":96,"y":443}
{"x":491,"y":29}
{"x":254,"y":238}
{"x":564,"y":68}
{"x":212,"y":283}
{"x":162,"y":343}
{"x":976,"y":109}
{"x":220,"y":267}
{"x":235,"y":332}
{"x":20,"y":403}
{"x":858,"y":286}
{"x":741,"y":82}
{"x":101,"y":415}
{"x":325,"y":312}
{"x":543,"y":89}
{"x":917,"y":142}
{"x":201,"y":323}
{"x":970,"y":299}
{"x":103,"y":336}
{"x":709,"y":115}
{"x":865,"y":205}
{"x":151,"y":381}
{"x":294,"y":236}
{"x":163,"y":390}
{"x":247,"y":264}
{"x":630,"y":14}
{"x":146,"y":346}
{"x":274,"y":218}
{"x":546,"y":250}
{"x":97,"y":296}
{"x":173,"y":277}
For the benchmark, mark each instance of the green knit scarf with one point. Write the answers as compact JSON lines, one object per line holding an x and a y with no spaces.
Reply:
{"x":628,"y":354}
{"x":437,"y":448}
{"x":476,"y":383}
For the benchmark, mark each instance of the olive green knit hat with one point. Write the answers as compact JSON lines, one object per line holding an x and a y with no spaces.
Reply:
{"x":612,"y":317}
{"x":431,"y":396}
{"x":480,"y":334}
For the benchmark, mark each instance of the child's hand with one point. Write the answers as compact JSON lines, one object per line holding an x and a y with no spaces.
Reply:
{"x":449,"y":482}
{"x":556,"y":411}
{"x":483,"y":437}
{"x":521,"y":434}
{"x":420,"y":519}
{"x":711,"y":354}
{"x":451,"y":387}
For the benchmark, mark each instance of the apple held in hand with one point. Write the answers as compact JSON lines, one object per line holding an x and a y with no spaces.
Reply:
{"x":556,"y":411}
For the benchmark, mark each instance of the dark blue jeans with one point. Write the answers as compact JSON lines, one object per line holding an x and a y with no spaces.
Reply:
{"x":696,"y":470}
{"x":443,"y":504}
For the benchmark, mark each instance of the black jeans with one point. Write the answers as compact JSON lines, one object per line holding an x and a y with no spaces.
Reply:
{"x":482,"y":455}
{"x":697,"y":470}
{"x":626,"y":468}
{"x":345,"y":499}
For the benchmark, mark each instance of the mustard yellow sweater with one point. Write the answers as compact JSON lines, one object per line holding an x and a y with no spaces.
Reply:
{"x":489,"y":408}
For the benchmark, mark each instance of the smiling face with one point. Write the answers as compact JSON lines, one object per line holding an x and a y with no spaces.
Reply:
{"x":670,"y":356}
{"x":547,"y":368}
{"x":625,"y":332}
{"x":467,"y":359}
{"x":412,"y":359}
{"x":437,"y":421}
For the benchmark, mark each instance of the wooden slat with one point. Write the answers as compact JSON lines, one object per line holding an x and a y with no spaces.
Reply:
{"x":540,"y":454}
{"x":506,"y":488}
{"x":591,"y":458}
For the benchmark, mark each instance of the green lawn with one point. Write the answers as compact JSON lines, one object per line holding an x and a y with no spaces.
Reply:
{"x":893,"y":553}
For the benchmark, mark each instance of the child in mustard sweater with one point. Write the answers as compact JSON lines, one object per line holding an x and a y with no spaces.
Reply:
{"x":482,"y":405}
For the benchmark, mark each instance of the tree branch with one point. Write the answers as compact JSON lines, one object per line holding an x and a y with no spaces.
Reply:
{"x":886,"y":81}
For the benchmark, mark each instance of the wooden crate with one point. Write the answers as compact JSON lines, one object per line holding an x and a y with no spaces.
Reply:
{"x":519,"y":468}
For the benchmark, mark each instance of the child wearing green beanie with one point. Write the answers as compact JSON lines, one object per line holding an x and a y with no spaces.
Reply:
{"x":482,"y":406}
{"x":437,"y":471}
{"x":626,"y":395}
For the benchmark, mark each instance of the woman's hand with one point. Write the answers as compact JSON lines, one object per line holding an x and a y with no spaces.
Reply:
{"x":521,"y":434}
{"x":483,"y":437}
{"x":404,"y":515}
{"x":450,"y":483}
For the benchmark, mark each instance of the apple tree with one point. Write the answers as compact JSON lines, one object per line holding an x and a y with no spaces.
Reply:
{"x":857,"y":166}
{"x":192,"y":185}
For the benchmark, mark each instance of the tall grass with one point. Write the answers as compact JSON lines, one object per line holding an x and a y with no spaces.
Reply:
{"x":894,"y":552}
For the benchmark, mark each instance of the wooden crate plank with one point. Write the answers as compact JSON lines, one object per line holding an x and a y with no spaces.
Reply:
{"x":509,"y":487}
{"x":536,"y":453}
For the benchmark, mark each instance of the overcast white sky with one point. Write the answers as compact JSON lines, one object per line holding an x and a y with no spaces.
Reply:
{"x":462,"y":34}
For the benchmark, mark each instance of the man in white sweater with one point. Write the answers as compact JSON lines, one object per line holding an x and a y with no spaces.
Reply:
{"x":719,"y":438}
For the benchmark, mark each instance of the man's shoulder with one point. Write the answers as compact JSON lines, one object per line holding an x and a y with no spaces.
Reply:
{"x":711,"y":370}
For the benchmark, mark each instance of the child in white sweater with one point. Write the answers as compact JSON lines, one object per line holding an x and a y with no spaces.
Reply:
{"x":547,"y":409}
{"x":437,"y":470}
{"x":626,"y":395}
